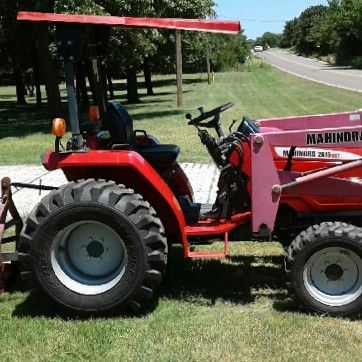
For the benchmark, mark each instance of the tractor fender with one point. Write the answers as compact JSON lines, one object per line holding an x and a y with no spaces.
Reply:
{"x":128,"y":168}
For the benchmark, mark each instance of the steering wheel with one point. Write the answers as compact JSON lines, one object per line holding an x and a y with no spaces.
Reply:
{"x":215,"y":122}
{"x":206,"y":115}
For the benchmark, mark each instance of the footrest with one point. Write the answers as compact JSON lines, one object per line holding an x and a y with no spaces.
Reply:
{"x":212,"y":228}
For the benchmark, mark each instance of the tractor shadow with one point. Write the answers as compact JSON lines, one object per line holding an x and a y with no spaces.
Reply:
{"x":238,"y":279}
{"x":35,"y":306}
{"x":159,"y":83}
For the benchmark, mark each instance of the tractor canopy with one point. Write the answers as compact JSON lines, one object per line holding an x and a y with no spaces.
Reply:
{"x":217,"y":26}
{"x":87,"y":36}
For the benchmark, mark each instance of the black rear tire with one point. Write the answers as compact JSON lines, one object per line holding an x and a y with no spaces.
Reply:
{"x":324,"y":268}
{"x":76,"y":278}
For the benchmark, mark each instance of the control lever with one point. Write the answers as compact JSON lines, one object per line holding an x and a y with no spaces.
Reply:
{"x":232,"y":123}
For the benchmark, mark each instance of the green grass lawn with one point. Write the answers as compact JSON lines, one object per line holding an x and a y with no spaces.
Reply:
{"x":25,"y":130}
{"x":235,"y":309}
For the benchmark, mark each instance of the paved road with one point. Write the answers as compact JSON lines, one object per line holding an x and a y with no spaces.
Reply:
{"x":203,"y":178}
{"x":313,"y":69}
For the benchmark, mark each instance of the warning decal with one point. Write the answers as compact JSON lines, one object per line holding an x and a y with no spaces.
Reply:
{"x":316,"y":153}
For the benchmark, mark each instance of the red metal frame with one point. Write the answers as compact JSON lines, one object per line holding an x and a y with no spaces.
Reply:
{"x":7,"y":207}
{"x":218,"y":26}
{"x":215,"y":227}
{"x":129,"y":168}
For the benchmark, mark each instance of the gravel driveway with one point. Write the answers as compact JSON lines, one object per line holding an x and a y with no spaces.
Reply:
{"x":203,"y":178}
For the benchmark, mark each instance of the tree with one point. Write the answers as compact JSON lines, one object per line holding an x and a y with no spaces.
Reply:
{"x":130,"y":48}
{"x":288,"y":36}
{"x":89,"y":7}
{"x":340,"y":30}
{"x":15,"y":57}
{"x":188,"y":9}
{"x":269,"y":39}
{"x":132,"y":51}
{"x":304,"y":41}
{"x":228,"y":52}
{"x":335,"y":29}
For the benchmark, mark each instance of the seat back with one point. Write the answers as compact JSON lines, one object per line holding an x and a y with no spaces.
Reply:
{"x":119,"y":123}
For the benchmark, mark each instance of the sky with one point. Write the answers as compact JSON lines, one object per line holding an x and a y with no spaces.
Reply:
{"x":259,"y":16}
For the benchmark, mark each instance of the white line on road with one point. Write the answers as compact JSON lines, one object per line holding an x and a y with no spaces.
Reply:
{"x":315,"y":80}
{"x":314,"y":68}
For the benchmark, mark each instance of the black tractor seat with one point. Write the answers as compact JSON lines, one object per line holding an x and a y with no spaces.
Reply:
{"x":120,"y":125}
{"x":160,"y":156}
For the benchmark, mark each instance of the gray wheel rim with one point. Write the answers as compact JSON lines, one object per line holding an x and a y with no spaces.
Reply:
{"x":88,"y":257}
{"x":333,"y":276}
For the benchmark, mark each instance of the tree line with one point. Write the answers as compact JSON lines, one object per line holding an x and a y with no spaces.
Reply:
{"x":28,"y":56}
{"x":335,"y":29}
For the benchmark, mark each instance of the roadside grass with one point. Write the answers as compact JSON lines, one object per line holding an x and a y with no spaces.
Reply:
{"x":265,"y":92}
{"x":236,"y":309}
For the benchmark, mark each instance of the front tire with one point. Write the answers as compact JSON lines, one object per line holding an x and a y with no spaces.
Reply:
{"x":95,"y":247}
{"x":324,"y":268}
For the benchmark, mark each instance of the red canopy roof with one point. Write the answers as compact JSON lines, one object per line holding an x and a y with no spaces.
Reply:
{"x":216,"y":26}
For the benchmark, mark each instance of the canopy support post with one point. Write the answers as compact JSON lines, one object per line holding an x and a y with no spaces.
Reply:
{"x":77,"y":138}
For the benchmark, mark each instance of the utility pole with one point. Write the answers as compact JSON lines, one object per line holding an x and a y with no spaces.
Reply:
{"x":178,"y":68}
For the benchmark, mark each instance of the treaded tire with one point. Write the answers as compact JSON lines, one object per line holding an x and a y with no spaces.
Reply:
{"x":311,"y":244}
{"x":109,"y":207}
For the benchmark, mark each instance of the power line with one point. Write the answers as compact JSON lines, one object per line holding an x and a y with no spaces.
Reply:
{"x":265,"y":21}
{"x":254,"y":20}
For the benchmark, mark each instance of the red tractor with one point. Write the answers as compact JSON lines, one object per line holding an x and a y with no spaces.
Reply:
{"x":99,"y":243}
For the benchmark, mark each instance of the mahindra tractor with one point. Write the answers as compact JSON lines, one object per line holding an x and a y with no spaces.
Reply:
{"x":99,"y":243}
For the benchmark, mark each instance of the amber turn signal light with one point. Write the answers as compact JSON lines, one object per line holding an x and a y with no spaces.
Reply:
{"x":93,"y":113}
{"x":58,"y":127}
